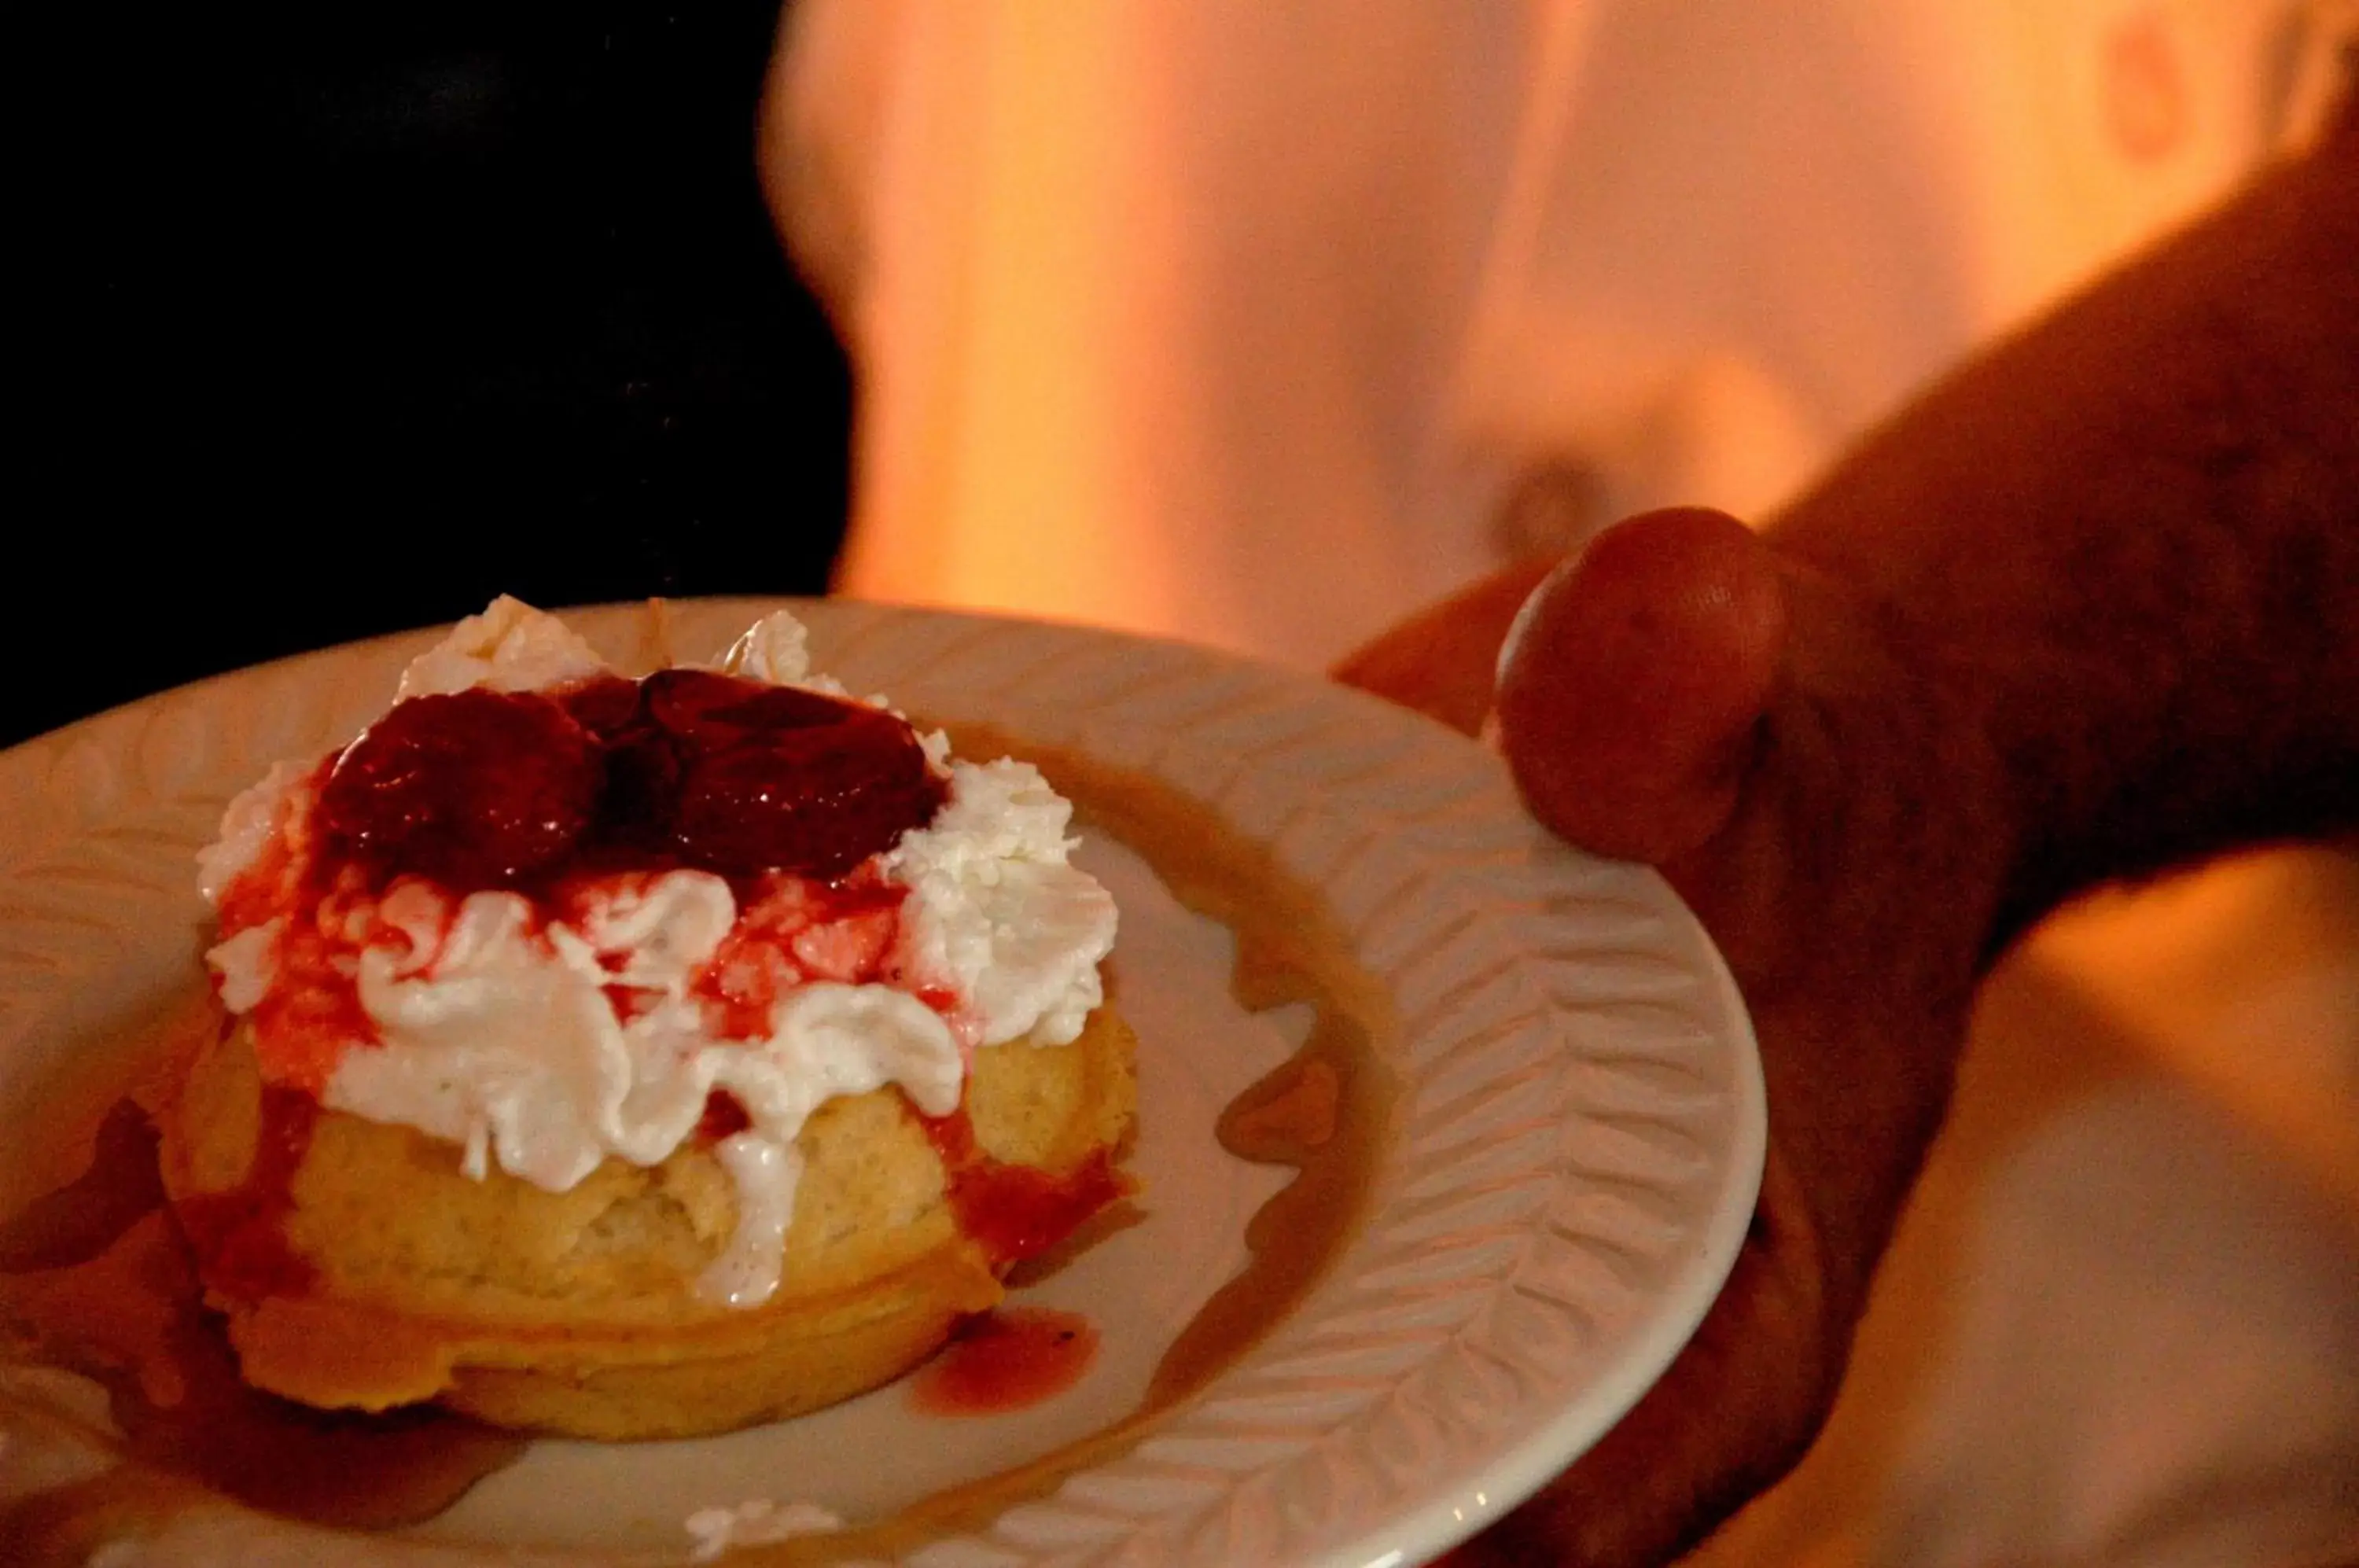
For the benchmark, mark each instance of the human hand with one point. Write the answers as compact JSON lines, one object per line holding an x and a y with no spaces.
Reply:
{"x":1684,"y":694}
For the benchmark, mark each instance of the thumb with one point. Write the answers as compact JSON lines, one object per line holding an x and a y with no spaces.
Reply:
{"x":1633,"y":687}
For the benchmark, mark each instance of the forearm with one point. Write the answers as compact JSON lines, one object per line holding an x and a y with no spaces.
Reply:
{"x":2126,"y":546}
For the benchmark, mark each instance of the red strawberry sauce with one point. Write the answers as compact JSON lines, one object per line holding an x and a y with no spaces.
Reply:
{"x":1016,"y":1212}
{"x":566,"y":795}
{"x":520,"y":789}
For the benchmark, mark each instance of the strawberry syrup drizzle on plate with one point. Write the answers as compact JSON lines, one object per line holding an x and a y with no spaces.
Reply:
{"x":1005,"y":1360}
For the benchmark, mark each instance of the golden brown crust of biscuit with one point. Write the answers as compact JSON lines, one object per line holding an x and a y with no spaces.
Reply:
{"x":575,"y":1311}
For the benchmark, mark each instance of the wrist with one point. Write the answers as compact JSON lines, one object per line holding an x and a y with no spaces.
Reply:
{"x":2124,"y":548}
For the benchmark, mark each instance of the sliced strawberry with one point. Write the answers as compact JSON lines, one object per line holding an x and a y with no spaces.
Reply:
{"x":475,"y":788}
{"x":709,"y":712}
{"x":605,"y":706}
{"x":815,"y":801}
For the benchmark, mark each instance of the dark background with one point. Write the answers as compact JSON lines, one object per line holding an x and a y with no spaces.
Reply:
{"x":348,"y":322}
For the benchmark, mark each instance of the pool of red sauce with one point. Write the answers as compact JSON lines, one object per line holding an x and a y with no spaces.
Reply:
{"x":1011,"y":1358}
{"x":1005,"y":1360}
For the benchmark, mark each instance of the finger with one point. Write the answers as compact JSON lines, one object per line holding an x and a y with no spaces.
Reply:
{"x":1441,"y":661}
{"x":1632,"y":696}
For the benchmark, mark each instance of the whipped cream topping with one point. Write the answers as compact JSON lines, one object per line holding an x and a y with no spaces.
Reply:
{"x":548,"y":1038}
{"x":253,"y":820}
{"x":511,"y":647}
{"x":995,"y":906}
{"x":777,"y":649}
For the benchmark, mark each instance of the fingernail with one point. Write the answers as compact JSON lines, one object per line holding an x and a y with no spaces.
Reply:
{"x":1520,"y":628}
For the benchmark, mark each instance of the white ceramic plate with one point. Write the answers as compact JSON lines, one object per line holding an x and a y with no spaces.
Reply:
{"x":1571,"y":1164}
